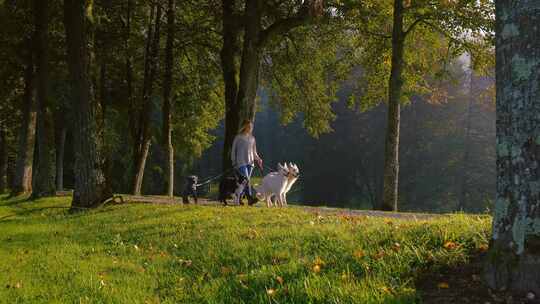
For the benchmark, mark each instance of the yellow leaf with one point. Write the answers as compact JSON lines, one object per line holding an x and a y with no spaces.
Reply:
{"x":316,"y":268}
{"x":450,"y":245}
{"x":270,"y":291}
{"x":318,"y":261}
{"x":443,"y":285}
{"x":359,"y":253}
{"x":483,"y":248}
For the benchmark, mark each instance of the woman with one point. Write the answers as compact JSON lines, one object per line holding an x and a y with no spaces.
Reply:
{"x":244,"y":152}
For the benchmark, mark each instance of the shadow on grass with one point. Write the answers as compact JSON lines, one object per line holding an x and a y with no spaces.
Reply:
{"x":8,"y":200}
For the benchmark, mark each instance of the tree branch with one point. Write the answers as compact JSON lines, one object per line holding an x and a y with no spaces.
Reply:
{"x":284,"y":25}
{"x":411,"y":27}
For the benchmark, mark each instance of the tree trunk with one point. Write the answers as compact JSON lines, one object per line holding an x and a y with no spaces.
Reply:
{"x":60,"y":149}
{"x":22,"y":181}
{"x":228,"y":63}
{"x":391,"y":154}
{"x":167,"y":102}
{"x":90,"y":183}
{"x":240,"y":103}
{"x":513,"y":262}
{"x":144,"y":137}
{"x":44,"y":177}
{"x":3,"y":159}
{"x":467,"y":150}
{"x":249,"y":69}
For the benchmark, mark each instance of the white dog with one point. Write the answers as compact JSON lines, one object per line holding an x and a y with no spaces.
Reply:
{"x":292,"y":177}
{"x":278,"y":184}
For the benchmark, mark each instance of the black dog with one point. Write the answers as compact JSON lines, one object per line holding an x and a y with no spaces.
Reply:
{"x":228,"y":185}
{"x":190,"y":189}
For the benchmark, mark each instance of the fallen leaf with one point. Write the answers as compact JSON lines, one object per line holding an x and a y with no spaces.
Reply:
{"x":483,"y":248}
{"x":386,"y":289}
{"x":379,"y":255}
{"x":450,"y":245}
{"x":270,"y":291}
{"x":136,"y":247}
{"x":443,"y":285}
{"x":316,"y":268}
{"x":280,"y":280}
{"x":225,"y":270}
{"x":359,"y":253}
{"x":18,"y":285}
{"x":396,"y":246}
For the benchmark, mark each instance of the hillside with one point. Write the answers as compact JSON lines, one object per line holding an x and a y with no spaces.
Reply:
{"x":146,"y":253}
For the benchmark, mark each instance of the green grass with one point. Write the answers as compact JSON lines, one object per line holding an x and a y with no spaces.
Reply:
{"x":198,"y":254}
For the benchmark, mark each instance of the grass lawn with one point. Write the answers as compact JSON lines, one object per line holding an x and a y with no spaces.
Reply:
{"x":143,"y":253}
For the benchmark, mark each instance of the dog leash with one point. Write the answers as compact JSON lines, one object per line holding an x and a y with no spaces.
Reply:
{"x":213,"y":178}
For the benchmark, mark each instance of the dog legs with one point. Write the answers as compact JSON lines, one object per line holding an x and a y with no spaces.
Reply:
{"x":268,"y":200}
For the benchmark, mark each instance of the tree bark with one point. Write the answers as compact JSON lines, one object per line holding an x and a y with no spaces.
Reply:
{"x":3,"y":158}
{"x":144,"y":137}
{"x":244,"y":105}
{"x":391,"y":161}
{"x":22,"y":181}
{"x":167,"y":102}
{"x":90,"y":183}
{"x":228,"y":63}
{"x":44,"y":177}
{"x":240,"y":95}
{"x":513,"y":262}
{"x":61,"y":133}
{"x":251,"y":57}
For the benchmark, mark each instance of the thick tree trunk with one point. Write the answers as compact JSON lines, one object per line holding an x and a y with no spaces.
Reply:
{"x":44,"y":177}
{"x":513,"y":262}
{"x":228,"y":63}
{"x":61,"y":133}
{"x":3,"y":159}
{"x":22,"y":181}
{"x":131,"y":104}
{"x":167,"y":102}
{"x":251,"y":57}
{"x":144,"y":136}
{"x":463,"y":180}
{"x":240,"y":95}
{"x":90,"y":183}
{"x":391,"y":161}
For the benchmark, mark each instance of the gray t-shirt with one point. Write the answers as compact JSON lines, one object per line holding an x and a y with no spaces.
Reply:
{"x":244,"y":150}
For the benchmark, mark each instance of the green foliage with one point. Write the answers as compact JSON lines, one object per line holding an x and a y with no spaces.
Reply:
{"x":436,"y":34}
{"x":303,"y":73}
{"x":201,"y":254}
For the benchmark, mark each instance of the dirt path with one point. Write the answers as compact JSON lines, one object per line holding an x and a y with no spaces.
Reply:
{"x":156,"y":199}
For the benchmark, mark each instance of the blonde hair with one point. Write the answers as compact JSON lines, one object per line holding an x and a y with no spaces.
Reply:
{"x":244,"y":126}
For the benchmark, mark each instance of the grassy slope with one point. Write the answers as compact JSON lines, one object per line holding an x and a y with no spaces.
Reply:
{"x":190,"y":254}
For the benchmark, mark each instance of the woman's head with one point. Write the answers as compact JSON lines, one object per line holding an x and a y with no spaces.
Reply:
{"x":247,"y":127}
